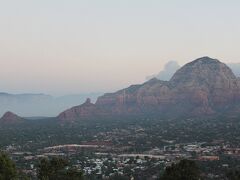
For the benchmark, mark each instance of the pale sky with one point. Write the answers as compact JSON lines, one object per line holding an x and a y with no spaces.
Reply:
{"x":77,"y":46}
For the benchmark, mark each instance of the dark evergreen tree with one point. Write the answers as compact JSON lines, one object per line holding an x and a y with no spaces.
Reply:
{"x":233,"y":174}
{"x":184,"y":170}
{"x":7,"y":168}
{"x":57,"y":168}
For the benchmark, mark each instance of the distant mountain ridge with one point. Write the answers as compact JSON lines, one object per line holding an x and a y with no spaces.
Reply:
{"x":235,"y":68}
{"x":202,"y":87}
{"x":169,"y":69}
{"x":30,"y":105}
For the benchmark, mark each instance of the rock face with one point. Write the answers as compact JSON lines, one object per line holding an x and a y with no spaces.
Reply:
{"x":10,"y":118}
{"x":87,"y":110}
{"x":202,"y":87}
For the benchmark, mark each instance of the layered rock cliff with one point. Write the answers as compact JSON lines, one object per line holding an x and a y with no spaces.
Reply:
{"x":202,"y":87}
{"x":87,"y":110}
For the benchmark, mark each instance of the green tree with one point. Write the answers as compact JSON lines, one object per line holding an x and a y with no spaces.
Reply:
{"x":74,"y":174}
{"x":7,"y":168}
{"x":118,"y":177}
{"x":57,"y":168}
{"x":184,"y":170}
{"x":233,"y":174}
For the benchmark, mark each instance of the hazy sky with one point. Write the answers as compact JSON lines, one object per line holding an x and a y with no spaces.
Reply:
{"x":76,"y":46}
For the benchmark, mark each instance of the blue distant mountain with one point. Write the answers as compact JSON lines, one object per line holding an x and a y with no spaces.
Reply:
{"x":29,"y":105}
{"x":235,"y":68}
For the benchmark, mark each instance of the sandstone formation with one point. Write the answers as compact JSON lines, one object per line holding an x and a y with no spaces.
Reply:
{"x":85,"y":111}
{"x":202,"y":87}
{"x":10,"y":118}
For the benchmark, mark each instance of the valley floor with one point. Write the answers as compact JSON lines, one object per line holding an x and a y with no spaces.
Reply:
{"x":133,"y":148}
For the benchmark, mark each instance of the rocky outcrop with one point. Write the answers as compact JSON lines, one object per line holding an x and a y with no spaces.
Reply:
{"x":209,"y":86}
{"x":10,"y":118}
{"x":202,"y":87}
{"x":87,"y":110}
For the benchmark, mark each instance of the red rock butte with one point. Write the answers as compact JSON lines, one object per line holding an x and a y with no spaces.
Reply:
{"x":10,"y":118}
{"x":202,"y":87}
